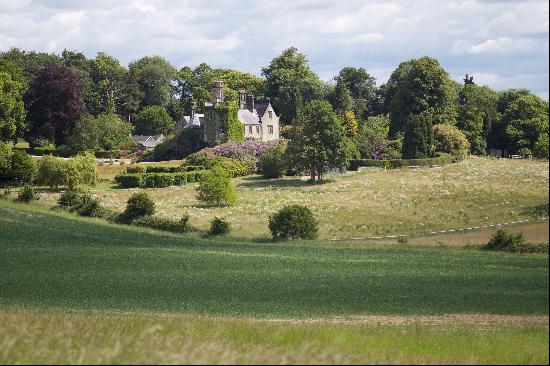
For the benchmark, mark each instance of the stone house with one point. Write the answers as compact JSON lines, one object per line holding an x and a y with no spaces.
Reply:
{"x":259,"y":120}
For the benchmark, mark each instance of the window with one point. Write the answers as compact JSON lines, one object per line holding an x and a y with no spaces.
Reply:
{"x":270,"y":129}
{"x":257,"y":130}
{"x":270,"y":114}
{"x":250,"y":130}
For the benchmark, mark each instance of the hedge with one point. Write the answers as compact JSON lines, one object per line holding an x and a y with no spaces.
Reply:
{"x":158,"y":180}
{"x":130,"y":180}
{"x":67,"y":153}
{"x":443,"y":159}
{"x":163,"y":169}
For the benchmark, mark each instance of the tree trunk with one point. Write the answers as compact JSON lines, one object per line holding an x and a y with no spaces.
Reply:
{"x":312,"y":172}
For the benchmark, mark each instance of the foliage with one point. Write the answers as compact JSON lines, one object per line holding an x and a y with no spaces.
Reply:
{"x":175,"y":147}
{"x":160,"y":223}
{"x":6,"y":156}
{"x":159,"y":180}
{"x":477,"y":114}
{"x":293,"y":222}
{"x":362,"y":90}
{"x":350,"y":123}
{"x":371,"y":134}
{"x":70,"y":198}
{"x":12,"y":108}
{"x":291,"y":84}
{"x":153,"y":120}
{"x":502,"y":240}
{"x":443,"y":159}
{"x":151,"y":76}
{"x":136,"y":168}
{"x":54,"y":103}
{"x":130,"y":180}
{"x":219,"y":226}
{"x":231,"y":125}
{"x":387,"y":150}
{"x":450,"y":140}
{"x":273,"y":162}
{"x":139,"y":205}
{"x":106,"y":132}
{"x":418,"y":137}
{"x":318,"y":140}
{"x":418,"y":86}
{"x":80,"y":170}
{"x":22,"y":167}
{"x":27,"y":193}
{"x":216,"y":188}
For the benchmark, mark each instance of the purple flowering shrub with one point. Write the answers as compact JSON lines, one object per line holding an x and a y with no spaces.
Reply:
{"x":386,"y":150}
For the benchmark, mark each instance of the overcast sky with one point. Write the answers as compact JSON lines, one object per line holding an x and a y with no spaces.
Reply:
{"x":504,"y":44}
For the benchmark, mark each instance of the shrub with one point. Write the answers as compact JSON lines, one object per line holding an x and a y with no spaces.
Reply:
{"x":159,"y":180}
{"x":70,"y":198}
{"x":27,"y":194}
{"x":6,"y":154}
{"x":502,"y":240}
{"x":273,"y":163}
{"x":215,"y":188}
{"x":90,"y":208}
{"x":293,"y":222}
{"x":450,"y":140}
{"x":22,"y":167}
{"x":79,"y":170}
{"x":130,"y":180}
{"x":418,"y":137}
{"x":51,"y":171}
{"x":163,"y":224}
{"x":136,"y":169}
{"x":219,"y":226}
{"x":163,"y":169}
{"x":138,"y":205}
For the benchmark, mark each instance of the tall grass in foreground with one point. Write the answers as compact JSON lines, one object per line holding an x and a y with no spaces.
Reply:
{"x":107,"y":338}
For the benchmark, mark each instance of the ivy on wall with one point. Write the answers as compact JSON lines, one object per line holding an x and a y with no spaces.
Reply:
{"x":231,"y":125}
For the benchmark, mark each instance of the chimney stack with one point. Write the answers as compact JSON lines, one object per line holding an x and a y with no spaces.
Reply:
{"x":217,"y":93}
{"x":250,"y":103}
{"x":192,"y":110}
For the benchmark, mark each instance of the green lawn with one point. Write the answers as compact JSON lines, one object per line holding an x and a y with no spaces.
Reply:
{"x":52,"y":260}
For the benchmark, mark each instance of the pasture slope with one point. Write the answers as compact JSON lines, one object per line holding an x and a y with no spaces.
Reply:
{"x":82,"y":291}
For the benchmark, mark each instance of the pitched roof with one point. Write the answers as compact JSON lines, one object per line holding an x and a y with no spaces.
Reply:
{"x":260,"y":109}
{"x":148,"y":141}
{"x":246,"y":117}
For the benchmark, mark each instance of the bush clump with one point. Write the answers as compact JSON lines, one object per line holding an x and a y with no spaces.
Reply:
{"x":138,"y":205}
{"x":505,"y":241}
{"x":160,"y":223}
{"x":293,"y":222}
{"x":130,"y":180}
{"x":219,"y":226}
{"x":70,"y":198}
{"x":159,"y":180}
{"x":273,"y":163}
{"x":215,"y":188}
{"x":80,"y":170}
{"x":27,"y":194}
{"x":136,"y":169}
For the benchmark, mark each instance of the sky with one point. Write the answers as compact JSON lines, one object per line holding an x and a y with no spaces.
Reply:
{"x":503,"y":44}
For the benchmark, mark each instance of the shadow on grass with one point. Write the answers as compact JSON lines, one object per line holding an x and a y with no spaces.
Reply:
{"x":537,"y":211}
{"x":260,"y":182}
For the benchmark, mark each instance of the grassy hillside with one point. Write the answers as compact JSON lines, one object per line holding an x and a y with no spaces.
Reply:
{"x":54,"y":260}
{"x":372,"y":202}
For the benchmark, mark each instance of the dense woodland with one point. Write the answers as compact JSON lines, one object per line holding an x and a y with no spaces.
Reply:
{"x":72,"y":102}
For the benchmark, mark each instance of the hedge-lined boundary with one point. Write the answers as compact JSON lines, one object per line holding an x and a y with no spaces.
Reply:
{"x":64,"y":153}
{"x":400,"y":163}
{"x":158,"y":180}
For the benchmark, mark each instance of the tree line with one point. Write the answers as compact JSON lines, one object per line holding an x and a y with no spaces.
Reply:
{"x":93,"y":104}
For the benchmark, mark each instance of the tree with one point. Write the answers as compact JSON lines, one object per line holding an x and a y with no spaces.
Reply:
{"x":293,"y":222}
{"x":371,"y":135}
{"x":215,"y":187}
{"x":107,"y":132}
{"x":152,"y":75}
{"x":340,"y":98}
{"x":476,"y":114}
{"x":111,"y":79}
{"x":12,"y":108}
{"x":153,"y":120}
{"x":273,"y":163}
{"x":77,"y":62}
{"x":54,"y":103}
{"x":450,"y":140}
{"x":362,"y":88}
{"x":522,"y":124}
{"x":350,"y":123}
{"x":29,"y":63}
{"x":318,"y":139}
{"x":290,"y":83}
{"x":417,"y":86}
{"x":418,"y":138}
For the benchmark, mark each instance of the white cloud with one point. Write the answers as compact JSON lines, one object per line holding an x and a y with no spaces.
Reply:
{"x":498,"y":45}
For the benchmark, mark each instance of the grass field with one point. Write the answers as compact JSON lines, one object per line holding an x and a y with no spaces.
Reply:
{"x":372,"y":202}
{"x":30,"y":337}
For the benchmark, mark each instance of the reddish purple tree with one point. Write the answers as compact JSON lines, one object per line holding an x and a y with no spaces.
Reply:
{"x":54,"y":104}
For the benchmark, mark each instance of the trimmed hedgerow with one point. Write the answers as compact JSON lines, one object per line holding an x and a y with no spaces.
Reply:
{"x":130,"y":180}
{"x":136,"y":169}
{"x":159,"y":180}
{"x":443,"y":159}
{"x":163,"y":169}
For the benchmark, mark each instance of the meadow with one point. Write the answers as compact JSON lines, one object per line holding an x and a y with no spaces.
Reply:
{"x":371,"y":202}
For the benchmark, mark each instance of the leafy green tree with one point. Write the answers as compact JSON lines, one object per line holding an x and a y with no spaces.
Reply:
{"x":29,"y":63}
{"x":111,"y":79}
{"x":152,"y":75}
{"x":476,"y":114}
{"x":215,"y":188}
{"x":273,"y":163}
{"x":362,"y":88}
{"x":153,"y":120}
{"x":522,"y":124}
{"x":318,"y":139}
{"x":78,"y":64}
{"x":340,"y":98}
{"x":418,"y":140}
{"x":417,"y":86}
{"x":291,"y":84}
{"x":6,"y":155}
{"x":22,"y":168}
{"x":371,"y":135}
{"x":12,"y":108}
